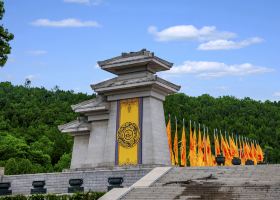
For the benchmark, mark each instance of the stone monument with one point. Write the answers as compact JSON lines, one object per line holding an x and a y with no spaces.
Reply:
{"x":124,"y":125}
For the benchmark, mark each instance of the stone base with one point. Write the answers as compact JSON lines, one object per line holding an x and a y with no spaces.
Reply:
{"x":75,"y":189}
{"x":5,"y":192}
{"x":38,"y":191}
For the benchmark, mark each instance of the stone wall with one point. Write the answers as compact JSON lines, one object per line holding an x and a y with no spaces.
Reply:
{"x":59,"y":182}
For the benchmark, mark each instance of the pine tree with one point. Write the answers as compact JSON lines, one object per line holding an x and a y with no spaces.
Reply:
{"x":5,"y":37}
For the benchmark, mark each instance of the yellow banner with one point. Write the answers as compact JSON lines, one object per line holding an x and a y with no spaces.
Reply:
{"x":129,"y":122}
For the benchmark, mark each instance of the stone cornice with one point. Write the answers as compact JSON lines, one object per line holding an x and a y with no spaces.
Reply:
{"x":114,"y":84}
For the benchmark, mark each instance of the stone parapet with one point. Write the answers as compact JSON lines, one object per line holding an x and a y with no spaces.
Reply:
{"x":93,"y":180}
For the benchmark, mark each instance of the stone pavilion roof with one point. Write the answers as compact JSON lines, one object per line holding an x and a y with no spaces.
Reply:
{"x":142,"y":60}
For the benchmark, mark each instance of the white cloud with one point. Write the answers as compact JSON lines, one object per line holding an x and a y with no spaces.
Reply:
{"x":85,"y":2}
{"x":228,"y":44}
{"x":70,"y":22}
{"x":276,"y":94}
{"x":189,"y":32}
{"x":209,"y":37}
{"x":36,"y":52}
{"x":206,"y":69}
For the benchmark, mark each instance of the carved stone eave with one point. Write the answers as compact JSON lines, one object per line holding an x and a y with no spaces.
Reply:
{"x":75,"y":127}
{"x":93,"y":105}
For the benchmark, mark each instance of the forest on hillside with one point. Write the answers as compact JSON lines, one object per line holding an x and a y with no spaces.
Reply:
{"x":246,"y":117}
{"x":31,"y":143}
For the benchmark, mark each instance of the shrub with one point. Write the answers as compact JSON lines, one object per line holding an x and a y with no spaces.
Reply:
{"x":76,"y":196}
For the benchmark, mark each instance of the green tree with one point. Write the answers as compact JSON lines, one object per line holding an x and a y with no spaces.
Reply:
{"x":63,"y":163}
{"x":11,"y":167}
{"x":24,"y":166}
{"x":5,"y":37}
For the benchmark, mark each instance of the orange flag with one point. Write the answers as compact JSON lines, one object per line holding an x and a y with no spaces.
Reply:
{"x":205,"y":158}
{"x":254,"y":153}
{"x":229,"y":157}
{"x":183,"y":146}
{"x":225,"y":150}
{"x":208,"y":151}
{"x":241,"y":152}
{"x":260,"y":153}
{"x":217,"y":145}
{"x":175,"y":147}
{"x":247,"y":150}
{"x":233,"y":148}
{"x":236,"y":147}
{"x":169,"y":138}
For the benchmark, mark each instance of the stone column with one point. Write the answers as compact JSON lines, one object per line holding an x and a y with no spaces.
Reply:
{"x":79,"y":153}
{"x":155,"y":145}
{"x":96,"y":146}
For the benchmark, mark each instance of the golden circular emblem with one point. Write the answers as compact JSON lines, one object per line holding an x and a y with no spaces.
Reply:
{"x":128,"y":135}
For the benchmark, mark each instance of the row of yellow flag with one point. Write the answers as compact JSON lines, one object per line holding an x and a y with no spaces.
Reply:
{"x":200,"y":153}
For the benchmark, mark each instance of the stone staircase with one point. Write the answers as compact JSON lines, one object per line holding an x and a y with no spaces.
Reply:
{"x":236,"y":182}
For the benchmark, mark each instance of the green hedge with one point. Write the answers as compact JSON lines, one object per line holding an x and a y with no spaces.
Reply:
{"x":76,"y":196}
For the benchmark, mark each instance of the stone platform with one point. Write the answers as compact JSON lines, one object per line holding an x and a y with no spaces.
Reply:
{"x":94,"y":180}
{"x":236,"y":182}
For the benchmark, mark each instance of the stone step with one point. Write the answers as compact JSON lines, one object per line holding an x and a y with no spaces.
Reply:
{"x":237,"y":182}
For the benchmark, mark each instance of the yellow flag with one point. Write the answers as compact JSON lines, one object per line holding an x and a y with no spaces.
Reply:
{"x":183,"y":147}
{"x":169,"y":138}
{"x":192,"y":152}
{"x":200,"y":161}
{"x":175,"y":146}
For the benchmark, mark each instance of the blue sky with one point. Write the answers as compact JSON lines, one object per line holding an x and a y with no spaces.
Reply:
{"x":217,"y":47}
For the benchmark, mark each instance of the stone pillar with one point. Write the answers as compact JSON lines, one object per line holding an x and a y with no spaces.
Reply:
{"x":80,"y":149}
{"x":110,"y":141}
{"x":96,"y":146}
{"x":155,"y":146}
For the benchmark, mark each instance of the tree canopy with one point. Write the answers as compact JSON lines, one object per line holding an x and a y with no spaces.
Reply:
{"x":5,"y":37}
{"x":30,"y":141}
